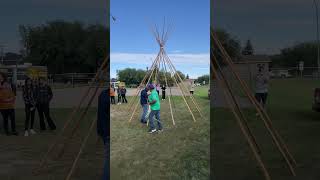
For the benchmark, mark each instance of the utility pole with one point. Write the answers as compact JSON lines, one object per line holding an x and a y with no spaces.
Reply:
{"x":318,"y":45}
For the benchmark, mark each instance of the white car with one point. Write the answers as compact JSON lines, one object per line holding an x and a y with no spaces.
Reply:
{"x":279,"y":74}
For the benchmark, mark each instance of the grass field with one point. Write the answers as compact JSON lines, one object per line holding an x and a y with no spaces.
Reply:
{"x":179,"y":152}
{"x":19,"y":155}
{"x":289,"y":105}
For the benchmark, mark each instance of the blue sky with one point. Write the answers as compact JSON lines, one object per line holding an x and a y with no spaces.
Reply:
{"x":35,"y":12}
{"x":270,"y":24}
{"x":134,"y":46}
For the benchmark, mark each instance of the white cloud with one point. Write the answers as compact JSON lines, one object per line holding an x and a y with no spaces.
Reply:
{"x":201,"y":59}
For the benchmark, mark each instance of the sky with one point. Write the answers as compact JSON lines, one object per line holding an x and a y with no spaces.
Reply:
{"x":270,"y":24}
{"x":34,"y":12}
{"x":133,"y":44}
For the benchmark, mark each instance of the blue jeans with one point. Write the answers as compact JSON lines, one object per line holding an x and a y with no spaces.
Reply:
{"x":155,"y":113}
{"x":145,"y":108}
{"x":106,"y":169}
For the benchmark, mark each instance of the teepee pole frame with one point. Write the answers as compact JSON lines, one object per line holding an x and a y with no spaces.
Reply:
{"x":236,"y":111}
{"x":281,"y":146}
{"x":44,"y":159}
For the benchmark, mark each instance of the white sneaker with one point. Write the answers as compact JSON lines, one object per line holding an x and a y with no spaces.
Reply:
{"x":32,"y":131}
{"x":152,"y":131}
{"x":26,"y":133}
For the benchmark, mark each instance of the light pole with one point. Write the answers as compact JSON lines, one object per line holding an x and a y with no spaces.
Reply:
{"x":318,"y":47}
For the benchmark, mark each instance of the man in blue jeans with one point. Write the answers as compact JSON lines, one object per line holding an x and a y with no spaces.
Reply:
{"x":154,"y":102}
{"x":103,"y":129}
{"x":144,"y":104}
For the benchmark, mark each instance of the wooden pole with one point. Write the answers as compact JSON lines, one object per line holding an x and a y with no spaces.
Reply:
{"x":190,"y":95}
{"x":268,"y":124}
{"x":183,"y":96}
{"x":242,"y":127}
{"x":83,"y":145}
{"x":136,"y":106}
{"x":169,"y":96}
{"x":70,"y":118}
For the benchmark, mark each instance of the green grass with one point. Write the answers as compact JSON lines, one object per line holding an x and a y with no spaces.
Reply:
{"x":179,"y":152}
{"x":289,"y":105}
{"x":20,"y":155}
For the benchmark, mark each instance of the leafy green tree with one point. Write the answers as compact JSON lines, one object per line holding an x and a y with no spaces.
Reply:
{"x":291,"y":56}
{"x":203,"y":78}
{"x":230,"y":43}
{"x":65,"y":46}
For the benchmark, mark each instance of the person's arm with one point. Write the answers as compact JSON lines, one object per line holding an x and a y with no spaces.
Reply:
{"x":50,"y":94}
{"x":24,"y":94}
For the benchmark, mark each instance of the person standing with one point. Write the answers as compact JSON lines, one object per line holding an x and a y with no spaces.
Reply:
{"x":144,"y":104}
{"x":155,"y":109}
{"x":112,"y":95}
{"x":123,"y":92}
{"x":44,"y":96}
{"x":192,"y":89}
{"x":7,"y":104}
{"x":119,"y":94}
{"x":261,"y":87}
{"x":163,"y":92}
{"x":28,"y":93}
{"x":158,"y":89}
{"x":103,"y":129}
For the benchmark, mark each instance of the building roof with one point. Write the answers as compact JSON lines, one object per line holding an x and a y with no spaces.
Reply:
{"x":253,"y":59}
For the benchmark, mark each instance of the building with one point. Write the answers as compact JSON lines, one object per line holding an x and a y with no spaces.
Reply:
{"x":248,"y":66}
{"x":17,"y":73}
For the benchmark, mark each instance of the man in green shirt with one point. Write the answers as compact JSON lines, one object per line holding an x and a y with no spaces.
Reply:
{"x":155,"y":109}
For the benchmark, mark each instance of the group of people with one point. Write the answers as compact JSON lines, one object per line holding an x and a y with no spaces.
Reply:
{"x":37,"y":95}
{"x":121,"y":92}
{"x":150,"y":102}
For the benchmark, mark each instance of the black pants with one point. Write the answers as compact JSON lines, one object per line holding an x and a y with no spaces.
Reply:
{"x":6,"y":114}
{"x":113,"y":99}
{"x":30,"y":111}
{"x":119,"y":98}
{"x":262,"y":98}
{"x":163,"y":94}
{"x":44,"y":110}
{"x":124,"y":99}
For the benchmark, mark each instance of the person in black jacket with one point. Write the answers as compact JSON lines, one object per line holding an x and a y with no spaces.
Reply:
{"x":103,"y":126}
{"x":44,"y":95}
{"x":123,"y":92}
{"x":163,"y":92}
{"x":28,"y":93}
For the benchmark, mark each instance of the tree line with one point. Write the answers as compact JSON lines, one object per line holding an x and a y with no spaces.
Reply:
{"x":65,"y":47}
{"x":288,"y":57}
{"x":133,"y":77}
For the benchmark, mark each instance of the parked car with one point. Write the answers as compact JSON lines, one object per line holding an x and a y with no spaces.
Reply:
{"x":316,"y":100}
{"x":280,"y":74}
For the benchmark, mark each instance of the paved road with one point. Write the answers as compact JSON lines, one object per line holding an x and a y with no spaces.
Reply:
{"x":70,"y":97}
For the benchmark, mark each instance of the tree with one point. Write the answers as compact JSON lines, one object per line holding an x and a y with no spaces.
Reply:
{"x":290,"y":56}
{"x":203,"y":78}
{"x":230,"y":43}
{"x":133,"y":76}
{"x":248,"y":49}
{"x":183,"y":77}
{"x":65,"y":46}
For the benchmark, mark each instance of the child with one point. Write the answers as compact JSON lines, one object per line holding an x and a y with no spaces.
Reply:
{"x":28,"y":93}
{"x":7,"y":103}
{"x":112,"y":95}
